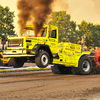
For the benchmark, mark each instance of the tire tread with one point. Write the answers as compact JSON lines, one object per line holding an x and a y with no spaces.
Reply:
{"x":78,"y":70}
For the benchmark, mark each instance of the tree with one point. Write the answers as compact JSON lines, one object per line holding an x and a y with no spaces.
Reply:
{"x":6,"y":22}
{"x":90,"y":32}
{"x":96,"y":36}
{"x":66,"y":27}
{"x":69,"y":31}
{"x":86,"y":31}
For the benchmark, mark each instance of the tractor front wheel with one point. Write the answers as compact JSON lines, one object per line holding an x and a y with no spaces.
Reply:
{"x":42,"y":59}
{"x":16,"y":62}
{"x":1,"y":64}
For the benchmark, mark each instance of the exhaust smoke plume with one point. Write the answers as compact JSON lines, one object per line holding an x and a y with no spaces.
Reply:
{"x":36,"y":11}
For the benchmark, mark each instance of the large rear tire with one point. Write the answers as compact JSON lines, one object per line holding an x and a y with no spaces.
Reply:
{"x":16,"y":62}
{"x":84,"y":66}
{"x":42,"y":59}
{"x":60,"y":69}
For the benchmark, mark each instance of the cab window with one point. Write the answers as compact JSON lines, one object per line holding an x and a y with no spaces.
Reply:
{"x":52,"y":33}
{"x":42,"y":32}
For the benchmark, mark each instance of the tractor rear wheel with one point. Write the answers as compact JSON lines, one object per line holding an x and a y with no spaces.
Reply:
{"x":84,"y":66}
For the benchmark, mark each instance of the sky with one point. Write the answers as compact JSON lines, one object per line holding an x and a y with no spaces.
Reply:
{"x":79,"y":10}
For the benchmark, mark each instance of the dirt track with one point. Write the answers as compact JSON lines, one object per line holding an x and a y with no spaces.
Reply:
{"x":44,"y":85}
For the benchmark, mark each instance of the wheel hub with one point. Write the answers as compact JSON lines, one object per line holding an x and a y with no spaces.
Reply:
{"x":44,"y":59}
{"x":86,"y":66}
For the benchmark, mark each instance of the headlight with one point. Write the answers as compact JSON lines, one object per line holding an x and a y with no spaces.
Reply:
{"x":20,"y":45}
{"x":24,"y":51}
{"x":4,"y":52}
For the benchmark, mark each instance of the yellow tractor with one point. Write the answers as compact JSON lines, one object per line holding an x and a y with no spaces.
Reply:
{"x":3,"y":60}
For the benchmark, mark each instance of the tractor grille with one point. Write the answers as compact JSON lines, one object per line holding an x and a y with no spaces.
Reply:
{"x":15,"y":42}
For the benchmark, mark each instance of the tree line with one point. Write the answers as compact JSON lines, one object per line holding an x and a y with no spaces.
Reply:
{"x":69,"y":30}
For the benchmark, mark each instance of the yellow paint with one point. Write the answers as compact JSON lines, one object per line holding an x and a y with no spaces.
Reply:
{"x":4,"y":59}
{"x":70,"y":54}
